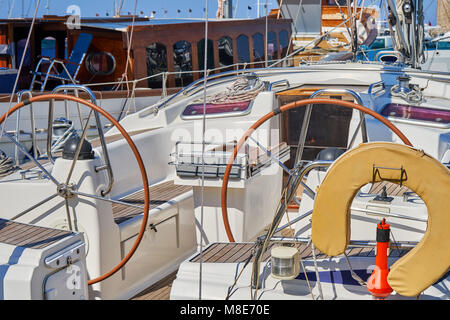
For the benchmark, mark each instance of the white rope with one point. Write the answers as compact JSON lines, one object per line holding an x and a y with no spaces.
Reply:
{"x":238,"y":92}
{"x":361,"y":282}
{"x":6,"y":165}
{"x":319,"y":285}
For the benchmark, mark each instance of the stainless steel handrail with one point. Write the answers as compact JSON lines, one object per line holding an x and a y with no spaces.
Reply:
{"x":76,"y":88}
{"x":20,"y":94}
{"x":276,"y":83}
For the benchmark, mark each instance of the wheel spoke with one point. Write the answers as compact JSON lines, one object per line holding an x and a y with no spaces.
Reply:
{"x":69,"y":221}
{"x":271,"y":156}
{"x":22,"y":148}
{"x":34,"y":207}
{"x":107,"y":200}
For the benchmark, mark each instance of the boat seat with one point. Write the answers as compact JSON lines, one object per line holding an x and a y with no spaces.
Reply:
{"x":159,"y":194}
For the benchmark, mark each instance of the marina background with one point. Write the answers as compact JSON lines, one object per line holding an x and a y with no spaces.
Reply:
{"x":162,"y":8}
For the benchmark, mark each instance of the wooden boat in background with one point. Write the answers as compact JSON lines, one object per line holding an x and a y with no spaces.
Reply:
{"x":127,"y":75}
{"x":321,"y":27}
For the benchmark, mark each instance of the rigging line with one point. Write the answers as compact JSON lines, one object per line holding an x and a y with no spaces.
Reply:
{"x":304,"y":47}
{"x":247,"y":261}
{"x":288,"y":55}
{"x":205,"y":71}
{"x":236,"y":9}
{"x":11,"y":8}
{"x":266,"y":38}
{"x":279,"y":10}
{"x":24,"y":53}
{"x":130,"y":41}
{"x":295,"y":27}
{"x":343,"y":16}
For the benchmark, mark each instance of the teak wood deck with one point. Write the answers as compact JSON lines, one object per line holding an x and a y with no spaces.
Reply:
{"x":159,"y":194}
{"x":29,"y":236}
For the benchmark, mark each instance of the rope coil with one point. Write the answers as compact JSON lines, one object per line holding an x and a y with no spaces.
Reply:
{"x":241,"y":90}
{"x":6,"y":165}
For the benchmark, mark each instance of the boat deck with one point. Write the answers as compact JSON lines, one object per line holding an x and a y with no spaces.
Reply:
{"x":29,"y":236}
{"x":158,"y":291}
{"x":240,"y":252}
{"x":392,"y":189}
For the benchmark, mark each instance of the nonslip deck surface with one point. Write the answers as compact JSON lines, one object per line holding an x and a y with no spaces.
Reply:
{"x":159,"y":194}
{"x":29,"y":236}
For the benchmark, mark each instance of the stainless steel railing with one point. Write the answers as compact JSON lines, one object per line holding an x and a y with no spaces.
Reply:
{"x":76,"y":89}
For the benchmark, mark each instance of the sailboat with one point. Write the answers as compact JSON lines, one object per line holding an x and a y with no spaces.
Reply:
{"x":124,"y":63}
{"x":436,"y":43}
{"x":218,"y":192}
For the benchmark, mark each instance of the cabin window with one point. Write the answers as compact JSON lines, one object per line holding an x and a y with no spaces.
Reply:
{"x":243,"y":49}
{"x":20,"y":48}
{"x":48,"y":47}
{"x":225,"y":45}
{"x":182,"y":61}
{"x":333,"y":2}
{"x":156,"y":63}
{"x":201,"y":54}
{"x":284,"y":43}
{"x":216,"y":110}
{"x":378,"y":44}
{"x":272,"y":46}
{"x":258,"y":48}
{"x":437,"y":45}
{"x":100,"y":63}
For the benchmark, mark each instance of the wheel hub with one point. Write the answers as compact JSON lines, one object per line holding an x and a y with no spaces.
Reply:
{"x":65,"y":190}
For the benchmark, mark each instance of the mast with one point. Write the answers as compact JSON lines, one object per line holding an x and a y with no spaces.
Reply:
{"x":406,"y":16}
{"x":228,"y":9}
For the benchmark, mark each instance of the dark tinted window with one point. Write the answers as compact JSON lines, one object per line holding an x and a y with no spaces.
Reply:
{"x":156,"y":63}
{"x":272,"y":46}
{"x":201,"y":54}
{"x":284,"y":42}
{"x":182,"y":61}
{"x":378,"y":44}
{"x":225,"y":51}
{"x":258,"y":48}
{"x":48,"y":47}
{"x":243,"y":49}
